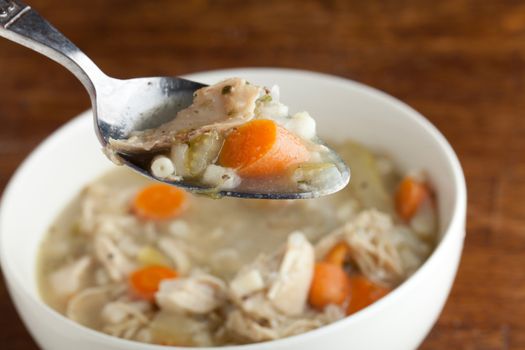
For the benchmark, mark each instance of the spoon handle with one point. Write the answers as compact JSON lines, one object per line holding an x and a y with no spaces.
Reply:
{"x":21,"y":24}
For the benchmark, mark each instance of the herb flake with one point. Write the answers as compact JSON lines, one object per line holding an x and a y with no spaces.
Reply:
{"x":226,"y":89}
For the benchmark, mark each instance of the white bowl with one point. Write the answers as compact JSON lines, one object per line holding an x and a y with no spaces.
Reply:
{"x":71,"y":157}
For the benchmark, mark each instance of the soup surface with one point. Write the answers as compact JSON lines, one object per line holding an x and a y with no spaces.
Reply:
{"x":195,"y":271}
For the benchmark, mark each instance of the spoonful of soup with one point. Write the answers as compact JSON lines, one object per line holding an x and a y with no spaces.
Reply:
{"x":228,"y":139}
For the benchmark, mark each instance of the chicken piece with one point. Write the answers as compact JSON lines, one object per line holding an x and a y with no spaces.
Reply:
{"x":243,"y":327}
{"x":246,"y":283}
{"x":270,"y":294}
{"x":175,"y":251}
{"x":289,"y":291}
{"x":181,"y":329}
{"x":113,"y":260}
{"x":103,"y":210}
{"x":198,"y":293}
{"x":248,"y":328}
{"x":282,"y":280}
{"x":370,"y":237}
{"x":68,"y":279}
{"x":220,"y":107}
{"x":85,"y":306}
{"x":260,"y":308}
{"x":117,"y":311}
{"x":311,"y":320}
{"x":125,"y":317}
{"x":128,"y":329}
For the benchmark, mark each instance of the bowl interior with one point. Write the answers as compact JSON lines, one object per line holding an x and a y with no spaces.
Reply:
{"x":71,"y":157}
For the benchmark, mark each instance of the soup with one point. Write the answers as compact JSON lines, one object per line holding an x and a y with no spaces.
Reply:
{"x":195,"y":271}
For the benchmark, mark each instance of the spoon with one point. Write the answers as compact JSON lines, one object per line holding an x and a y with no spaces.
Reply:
{"x":122,"y":106}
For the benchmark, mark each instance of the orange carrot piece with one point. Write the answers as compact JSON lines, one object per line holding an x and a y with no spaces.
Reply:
{"x":262,"y":148}
{"x":409,"y":196}
{"x":330,"y":285}
{"x":363,"y":292}
{"x":159,"y":202}
{"x":338,"y":254}
{"x":145,"y":281}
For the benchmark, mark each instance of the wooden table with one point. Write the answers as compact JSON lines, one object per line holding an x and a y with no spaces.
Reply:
{"x":461,"y":63}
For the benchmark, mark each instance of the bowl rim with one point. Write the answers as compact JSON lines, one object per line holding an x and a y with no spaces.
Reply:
{"x":455,"y":226}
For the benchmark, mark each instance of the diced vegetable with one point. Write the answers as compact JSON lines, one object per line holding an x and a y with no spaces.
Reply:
{"x":367,"y":183}
{"x":330,"y":285}
{"x":363,"y":293}
{"x":179,"y":157}
{"x":409,"y":196}
{"x":145,"y":281}
{"x":148,"y":256}
{"x":262,"y":148}
{"x":203,"y":150}
{"x":159,"y":202}
{"x":338,"y":254}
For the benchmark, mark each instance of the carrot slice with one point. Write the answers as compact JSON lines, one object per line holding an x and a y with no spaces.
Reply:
{"x":262,"y":148}
{"x":409,"y":196}
{"x":363,"y":292}
{"x":338,"y":254}
{"x":330,"y":285}
{"x":159,"y":202}
{"x":145,"y":281}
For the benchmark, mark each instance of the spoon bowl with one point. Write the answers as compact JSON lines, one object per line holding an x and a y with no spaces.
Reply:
{"x":123,"y":106}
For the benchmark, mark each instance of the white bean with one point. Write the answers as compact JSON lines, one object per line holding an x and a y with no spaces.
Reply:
{"x":302,"y":124}
{"x":162,"y":167}
{"x":222,"y":178}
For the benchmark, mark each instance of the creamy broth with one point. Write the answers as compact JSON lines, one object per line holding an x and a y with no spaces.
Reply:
{"x":225,"y":241}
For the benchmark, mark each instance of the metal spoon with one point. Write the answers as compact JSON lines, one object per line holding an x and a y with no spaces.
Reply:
{"x":122,"y":106}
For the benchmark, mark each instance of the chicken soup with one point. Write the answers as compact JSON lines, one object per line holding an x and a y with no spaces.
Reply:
{"x":148,"y":262}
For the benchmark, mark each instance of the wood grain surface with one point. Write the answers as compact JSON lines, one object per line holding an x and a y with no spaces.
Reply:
{"x":461,"y":63}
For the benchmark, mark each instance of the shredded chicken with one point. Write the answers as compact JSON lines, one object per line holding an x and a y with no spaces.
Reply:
{"x":115,"y":262}
{"x":126,"y":318}
{"x":220,"y":106}
{"x":270,"y":294}
{"x":198,"y":293}
{"x":85,"y":306}
{"x":176,"y":251}
{"x":117,"y":311}
{"x":104,"y":211}
{"x":67,"y":280}
{"x":183,"y":329}
{"x":289,"y":291}
{"x":246,"y":283}
{"x":245,"y":328}
{"x":372,"y":246}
